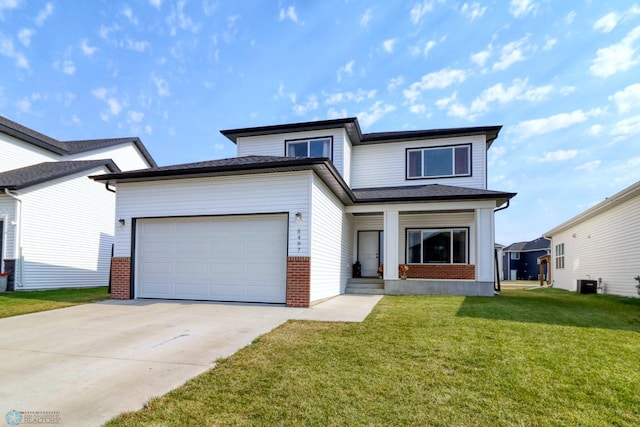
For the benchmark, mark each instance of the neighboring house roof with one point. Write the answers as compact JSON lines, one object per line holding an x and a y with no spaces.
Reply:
{"x":23,"y":133}
{"x":322,"y":166}
{"x":609,"y":203}
{"x":539,"y":244}
{"x":28,"y":176}
{"x":356,"y":136}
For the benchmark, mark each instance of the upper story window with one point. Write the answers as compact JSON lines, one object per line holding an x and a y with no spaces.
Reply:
{"x":515,"y":255}
{"x":317,"y":147}
{"x":439,"y":162}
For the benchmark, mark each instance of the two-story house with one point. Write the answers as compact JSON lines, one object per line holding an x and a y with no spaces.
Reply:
{"x":286,"y":220}
{"x":56,"y":224}
{"x":522,"y":259}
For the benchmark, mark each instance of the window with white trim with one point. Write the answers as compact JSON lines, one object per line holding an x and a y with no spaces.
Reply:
{"x":515,"y":255}
{"x":439,"y":162}
{"x":438,"y":246}
{"x":560,"y":256}
{"x":318,"y":147}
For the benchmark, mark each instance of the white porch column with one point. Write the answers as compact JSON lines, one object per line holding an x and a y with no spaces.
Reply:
{"x":391,"y":249}
{"x":485,"y":244}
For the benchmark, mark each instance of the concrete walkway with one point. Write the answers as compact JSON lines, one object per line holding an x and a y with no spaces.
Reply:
{"x":86,"y":364}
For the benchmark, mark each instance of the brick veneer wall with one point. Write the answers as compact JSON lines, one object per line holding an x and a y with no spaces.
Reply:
{"x":298,"y":281}
{"x":442,"y":271}
{"x":120,"y":278}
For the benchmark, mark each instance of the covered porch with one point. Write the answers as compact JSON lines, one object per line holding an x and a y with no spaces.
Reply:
{"x":446,"y":245}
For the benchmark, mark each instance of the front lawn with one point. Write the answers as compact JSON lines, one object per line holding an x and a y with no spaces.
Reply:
{"x":540,"y":357}
{"x":16,"y":303}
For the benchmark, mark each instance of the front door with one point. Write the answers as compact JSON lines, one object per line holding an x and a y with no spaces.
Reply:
{"x":369,"y":253}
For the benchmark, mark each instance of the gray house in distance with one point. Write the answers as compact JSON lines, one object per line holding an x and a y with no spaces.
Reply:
{"x":521,"y":261}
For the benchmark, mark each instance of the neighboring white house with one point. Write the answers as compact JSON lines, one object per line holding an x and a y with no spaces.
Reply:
{"x":286,"y":220}
{"x":600,"y":244}
{"x":56,"y":224}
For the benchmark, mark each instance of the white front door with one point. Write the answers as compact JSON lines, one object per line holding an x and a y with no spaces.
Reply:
{"x":369,"y":252}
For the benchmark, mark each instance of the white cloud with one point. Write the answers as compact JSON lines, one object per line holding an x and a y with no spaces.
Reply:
{"x":395,"y":82}
{"x":8,"y":4}
{"x":388,"y":44}
{"x":511,"y":53}
{"x":419,"y":10}
{"x":534,"y":127}
{"x":571,"y":16}
{"x":607,"y":23}
{"x":473,"y":11}
{"x":86,"y":49}
{"x":366,"y":18}
{"x":113,"y":105}
{"x":359,"y":96}
{"x":105,"y":31}
{"x":626,"y":128}
{"x":550,"y":44}
{"x":137,"y":45}
{"x":436,"y":80}
{"x":520,"y":8}
{"x":128,"y":13}
{"x":596,"y":130}
{"x":156,"y":3}
{"x":66,"y":66}
{"x":289,"y":13}
{"x":627,"y":99}
{"x":310,"y":104}
{"x":481,"y":57}
{"x":44,"y":14}
{"x":559,"y":155}
{"x":617,"y":57}
{"x":589,"y":166}
{"x":519,"y":90}
{"x":336,"y":114}
{"x":418,"y":109}
{"x":8,"y":49}
{"x":424,"y":50}
{"x":375,"y":113}
{"x":135,"y":116}
{"x":24,"y":35}
{"x":346,"y":69}
{"x":23,"y":105}
{"x":178,"y":19}
{"x":161,"y":86}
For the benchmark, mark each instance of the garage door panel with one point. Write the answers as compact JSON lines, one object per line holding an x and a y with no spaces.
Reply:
{"x":240,"y":258}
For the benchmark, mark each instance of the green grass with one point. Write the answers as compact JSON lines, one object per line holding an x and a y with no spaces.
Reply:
{"x":17,"y":303}
{"x":541,"y":357}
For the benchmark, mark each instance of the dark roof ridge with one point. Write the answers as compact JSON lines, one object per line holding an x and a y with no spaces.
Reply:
{"x":31,"y":175}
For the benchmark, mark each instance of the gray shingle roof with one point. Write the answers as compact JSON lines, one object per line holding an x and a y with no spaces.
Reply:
{"x":538,"y":244}
{"x":426,"y":192}
{"x":67,"y":147}
{"x":356,"y":136}
{"x":322,"y":166}
{"x":28,"y":176}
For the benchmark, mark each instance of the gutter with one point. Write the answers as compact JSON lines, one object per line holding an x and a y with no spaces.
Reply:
{"x":17,"y":247}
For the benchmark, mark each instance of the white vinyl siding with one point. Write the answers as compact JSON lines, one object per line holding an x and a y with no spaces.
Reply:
{"x":331,"y":243}
{"x":384,"y":165}
{"x":602,"y":247}
{"x":67,"y":233}
{"x":125,"y":155}
{"x":274,"y":145}
{"x":17,"y":154}
{"x":246,"y":194}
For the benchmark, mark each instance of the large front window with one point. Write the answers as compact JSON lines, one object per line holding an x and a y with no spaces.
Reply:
{"x":439,"y":162}
{"x":437,"y":246}
{"x":320,"y":147}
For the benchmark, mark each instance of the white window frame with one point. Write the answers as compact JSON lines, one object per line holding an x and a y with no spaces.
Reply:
{"x":424,"y":150}
{"x":308,"y":142}
{"x":559,"y":252}
{"x":451,"y":245}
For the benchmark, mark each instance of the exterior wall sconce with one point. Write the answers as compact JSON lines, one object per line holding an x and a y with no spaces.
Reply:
{"x":121,"y":221}
{"x":298,"y":216}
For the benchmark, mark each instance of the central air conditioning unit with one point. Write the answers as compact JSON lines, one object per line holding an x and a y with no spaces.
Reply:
{"x":587,"y":286}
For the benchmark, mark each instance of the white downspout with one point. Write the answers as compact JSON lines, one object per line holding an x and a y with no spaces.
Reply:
{"x":17,"y":247}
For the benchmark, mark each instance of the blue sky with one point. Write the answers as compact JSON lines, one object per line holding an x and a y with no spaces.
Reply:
{"x":561,"y":77}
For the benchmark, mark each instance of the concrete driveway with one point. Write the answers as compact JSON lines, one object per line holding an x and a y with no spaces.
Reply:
{"x":83,"y":365}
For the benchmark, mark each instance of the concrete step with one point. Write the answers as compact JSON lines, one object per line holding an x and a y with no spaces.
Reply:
{"x":365,"y":286}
